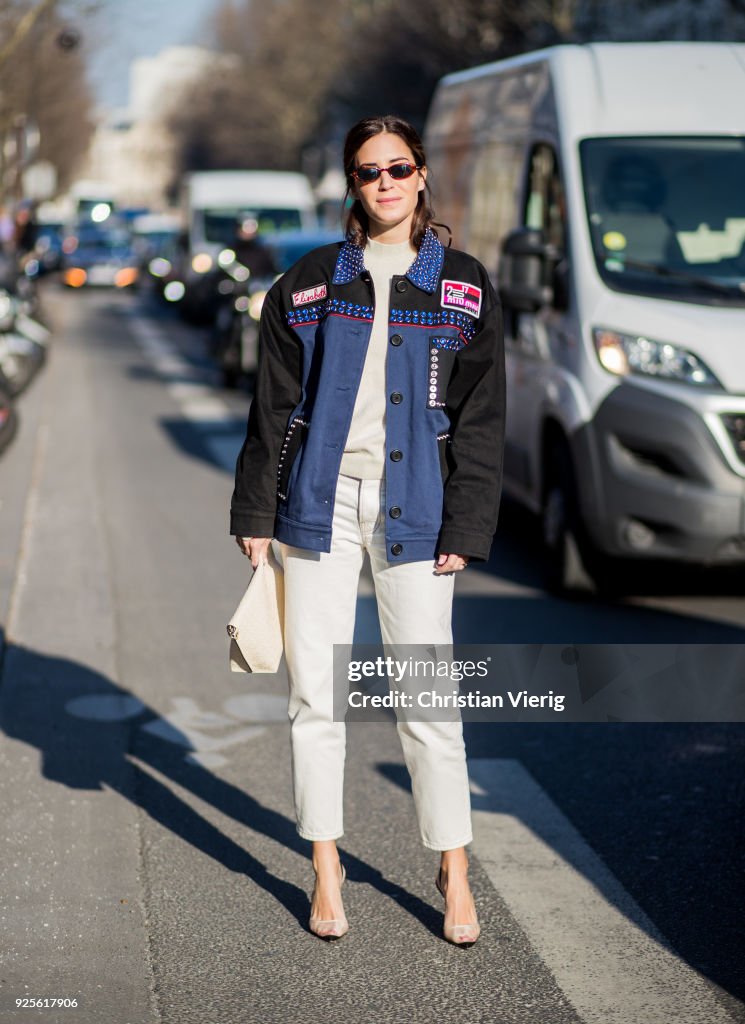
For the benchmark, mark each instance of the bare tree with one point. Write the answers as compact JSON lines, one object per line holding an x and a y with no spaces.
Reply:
{"x":44,"y":84}
{"x":305,"y":70}
{"x":288,"y":54}
{"x":407,"y":48}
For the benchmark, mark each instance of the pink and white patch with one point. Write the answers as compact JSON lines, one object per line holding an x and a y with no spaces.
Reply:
{"x":462,"y":296}
{"x":313,"y":294}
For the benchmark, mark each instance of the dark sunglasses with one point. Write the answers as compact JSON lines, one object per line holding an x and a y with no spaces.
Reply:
{"x":399,"y":172}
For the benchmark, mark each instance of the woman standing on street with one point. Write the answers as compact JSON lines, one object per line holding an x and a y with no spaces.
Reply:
{"x":377,"y":425}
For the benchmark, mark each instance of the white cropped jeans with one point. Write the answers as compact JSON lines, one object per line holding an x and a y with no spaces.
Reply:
{"x":415,"y":607}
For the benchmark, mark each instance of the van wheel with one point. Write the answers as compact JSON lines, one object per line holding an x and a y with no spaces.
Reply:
{"x":564,"y":566}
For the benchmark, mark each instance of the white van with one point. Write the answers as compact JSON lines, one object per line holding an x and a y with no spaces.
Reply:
{"x":215,"y":200}
{"x":213,"y":203}
{"x":604,"y":188}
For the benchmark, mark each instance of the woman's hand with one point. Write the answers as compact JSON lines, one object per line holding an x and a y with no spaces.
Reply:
{"x":450,"y":563}
{"x":255,"y":548}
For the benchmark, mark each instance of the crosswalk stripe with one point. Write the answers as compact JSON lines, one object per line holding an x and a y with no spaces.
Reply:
{"x":609,"y":959}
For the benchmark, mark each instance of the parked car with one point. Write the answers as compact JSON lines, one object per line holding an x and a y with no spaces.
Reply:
{"x":602,"y":186}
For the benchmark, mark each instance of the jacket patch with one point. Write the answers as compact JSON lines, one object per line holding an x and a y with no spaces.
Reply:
{"x":313,"y":294}
{"x":461,"y":295}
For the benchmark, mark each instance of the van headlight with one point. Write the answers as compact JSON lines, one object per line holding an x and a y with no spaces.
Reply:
{"x":626,"y":354}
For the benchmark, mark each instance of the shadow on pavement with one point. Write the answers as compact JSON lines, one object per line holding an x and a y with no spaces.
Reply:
{"x":110,"y":748}
{"x":216,"y":442}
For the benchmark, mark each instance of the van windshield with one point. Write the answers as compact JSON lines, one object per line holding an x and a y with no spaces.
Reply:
{"x":221,"y":225}
{"x":667,"y":215}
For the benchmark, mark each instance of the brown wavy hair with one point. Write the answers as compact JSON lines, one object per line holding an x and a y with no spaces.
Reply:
{"x":357,"y":223}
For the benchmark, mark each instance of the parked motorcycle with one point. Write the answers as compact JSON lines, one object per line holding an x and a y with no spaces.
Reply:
{"x":8,"y":415}
{"x":235,"y":337}
{"x":23,"y":341}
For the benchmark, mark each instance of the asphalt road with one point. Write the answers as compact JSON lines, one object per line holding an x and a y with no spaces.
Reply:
{"x":151,"y":870}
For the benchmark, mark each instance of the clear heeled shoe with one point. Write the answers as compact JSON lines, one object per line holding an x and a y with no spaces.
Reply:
{"x":335,"y":927}
{"x":463,"y":935}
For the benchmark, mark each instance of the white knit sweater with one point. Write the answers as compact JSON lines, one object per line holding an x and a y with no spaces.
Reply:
{"x":364,"y":454}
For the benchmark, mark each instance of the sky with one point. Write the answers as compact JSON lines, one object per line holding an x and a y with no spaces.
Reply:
{"x":126,"y":29}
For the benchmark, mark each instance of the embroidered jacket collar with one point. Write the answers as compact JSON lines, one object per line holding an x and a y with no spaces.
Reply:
{"x":424,"y":272}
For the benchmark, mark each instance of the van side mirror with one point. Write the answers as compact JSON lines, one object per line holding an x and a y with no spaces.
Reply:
{"x":526,"y":271}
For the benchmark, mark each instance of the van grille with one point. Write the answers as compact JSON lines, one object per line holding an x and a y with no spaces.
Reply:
{"x":735,"y":424}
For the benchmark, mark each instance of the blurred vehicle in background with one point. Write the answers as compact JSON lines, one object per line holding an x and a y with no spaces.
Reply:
{"x":154,"y":236}
{"x":91,"y":202}
{"x":245,"y":271}
{"x":605,"y":186}
{"x":51,"y":218}
{"x":127,"y":215}
{"x":214,"y":202}
{"x":99,"y":257}
{"x":235,"y":341}
{"x":289,"y":246}
{"x":48,"y":246}
{"x":165,"y":270}
{"x":235,"y":336}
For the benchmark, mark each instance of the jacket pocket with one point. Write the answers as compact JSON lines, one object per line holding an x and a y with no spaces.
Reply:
{"x":441,"y":359}
{"x":446,"y":455}
{"x":294,"y":437}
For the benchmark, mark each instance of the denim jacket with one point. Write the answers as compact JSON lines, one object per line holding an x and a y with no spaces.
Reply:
{"x":444,"y":414}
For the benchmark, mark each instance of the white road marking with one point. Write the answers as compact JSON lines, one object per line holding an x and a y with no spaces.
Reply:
{"x":608,"y":958}
{"x":187,"y":724}
{"x":197,"y":400}
{"x":29,"y":522}
{"x":257,"y":707}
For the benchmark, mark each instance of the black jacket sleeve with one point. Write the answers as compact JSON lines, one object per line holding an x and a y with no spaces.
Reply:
{"x":278,"y":390}
{"x":476,"y":405}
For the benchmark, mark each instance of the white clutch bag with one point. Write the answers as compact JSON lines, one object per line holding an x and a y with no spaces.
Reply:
{"x":257,"y":626}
